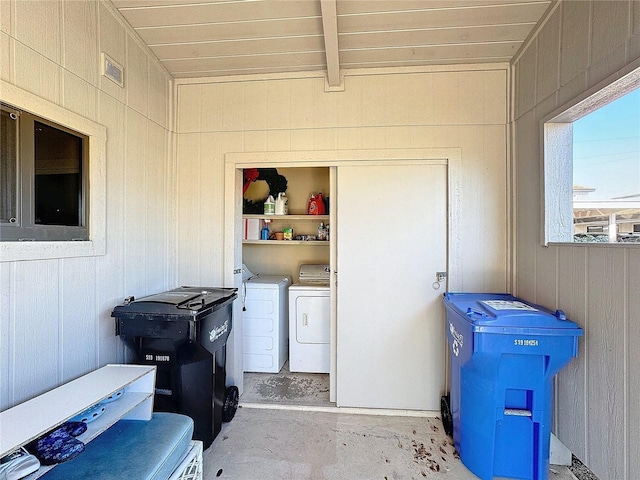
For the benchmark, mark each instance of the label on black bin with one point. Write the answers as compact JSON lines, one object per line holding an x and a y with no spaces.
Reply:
{"x":217,"y":332}
{"x":150,"y":357}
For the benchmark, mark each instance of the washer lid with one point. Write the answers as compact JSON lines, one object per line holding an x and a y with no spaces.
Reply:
{"x":268,"y":281}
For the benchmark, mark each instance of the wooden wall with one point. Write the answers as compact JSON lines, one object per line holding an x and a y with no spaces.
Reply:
{"x":55,"y":314}
{"x":598,"y":394}
{"x":460,"y":106}
{"x":55,"y":319}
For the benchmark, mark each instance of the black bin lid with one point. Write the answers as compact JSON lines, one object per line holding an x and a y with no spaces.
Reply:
{"x":192,"y":301}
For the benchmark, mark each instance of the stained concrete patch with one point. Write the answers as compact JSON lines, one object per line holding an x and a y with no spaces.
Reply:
{"x":290,"y":388}
{"x":286,"y":388}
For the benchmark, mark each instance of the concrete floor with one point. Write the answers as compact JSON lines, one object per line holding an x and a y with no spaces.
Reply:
{"x":286,"y":444}
{"x":285,"y":428}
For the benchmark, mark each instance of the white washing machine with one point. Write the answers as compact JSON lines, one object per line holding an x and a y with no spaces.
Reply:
{"x":265,"y":323}
{"x":310,"y":320}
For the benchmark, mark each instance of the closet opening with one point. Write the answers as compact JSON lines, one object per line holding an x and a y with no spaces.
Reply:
{"x":286,"y":296}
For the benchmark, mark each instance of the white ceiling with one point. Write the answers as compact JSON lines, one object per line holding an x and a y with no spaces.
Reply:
{"x":200,"y":38}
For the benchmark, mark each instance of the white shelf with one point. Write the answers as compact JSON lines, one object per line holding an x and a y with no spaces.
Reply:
{"x":311,"y":243}
{"x":319,"y":218}
{"x":280,"y":219}
{"x":121,"y":408}
{"x":30,"y":420}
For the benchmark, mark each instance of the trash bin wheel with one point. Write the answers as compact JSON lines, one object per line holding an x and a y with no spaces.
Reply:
{"x":230,"y":404}
{"x":447,"y":418}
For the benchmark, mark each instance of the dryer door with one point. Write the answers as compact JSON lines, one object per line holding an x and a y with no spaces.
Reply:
{"x":313,"y":316}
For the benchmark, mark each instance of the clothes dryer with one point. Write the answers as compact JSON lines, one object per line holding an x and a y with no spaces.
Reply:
{"x":310,"y":320}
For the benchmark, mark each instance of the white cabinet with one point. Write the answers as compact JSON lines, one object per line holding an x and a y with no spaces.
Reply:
{"x":30,"y":420}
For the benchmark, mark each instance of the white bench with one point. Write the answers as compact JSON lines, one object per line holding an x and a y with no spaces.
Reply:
{"x":32,"y":419}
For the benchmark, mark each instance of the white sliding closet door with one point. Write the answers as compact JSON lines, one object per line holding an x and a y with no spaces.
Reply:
{"x":392,"y":237}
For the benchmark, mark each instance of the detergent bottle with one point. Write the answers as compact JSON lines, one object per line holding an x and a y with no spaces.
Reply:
{"x":315,"y":206}
{"x":282,"y":204}
{"x":269,"y":206}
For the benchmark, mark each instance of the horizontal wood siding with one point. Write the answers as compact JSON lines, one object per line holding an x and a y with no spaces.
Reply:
{"x":55,"y":314}
{"x":204,"y":38}
{"x":598,"y":394}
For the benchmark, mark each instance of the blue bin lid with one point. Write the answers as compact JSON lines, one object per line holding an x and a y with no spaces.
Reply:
{"x":504,"y":313}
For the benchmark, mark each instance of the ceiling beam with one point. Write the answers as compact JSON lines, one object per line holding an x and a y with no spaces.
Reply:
{"x":330,"y":27}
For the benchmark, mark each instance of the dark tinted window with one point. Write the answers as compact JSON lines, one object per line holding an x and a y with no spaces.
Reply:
{"x":58,"y":176}
{"x":43,"y":180}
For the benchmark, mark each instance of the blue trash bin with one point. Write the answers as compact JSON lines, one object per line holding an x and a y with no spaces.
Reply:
{"x":504,"y":355}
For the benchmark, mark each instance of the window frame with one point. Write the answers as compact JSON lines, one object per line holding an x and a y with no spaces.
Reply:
{"x":94,"y":177}
{"x":557,"y":156}
{"x":25,"y":228}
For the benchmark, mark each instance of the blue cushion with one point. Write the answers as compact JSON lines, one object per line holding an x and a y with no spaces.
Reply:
{"x":131,"y":449}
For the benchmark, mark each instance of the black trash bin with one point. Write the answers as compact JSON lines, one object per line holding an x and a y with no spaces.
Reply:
{"x":184,"y":333}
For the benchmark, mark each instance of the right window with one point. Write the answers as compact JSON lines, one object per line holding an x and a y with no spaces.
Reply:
{"x":592,"y":168}
{"x":606,"y":172}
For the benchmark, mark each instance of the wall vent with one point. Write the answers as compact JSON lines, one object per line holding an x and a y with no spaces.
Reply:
{"x":112,"y":70}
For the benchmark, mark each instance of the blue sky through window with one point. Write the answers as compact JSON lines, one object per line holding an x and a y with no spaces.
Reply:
{"x":606,"y":149}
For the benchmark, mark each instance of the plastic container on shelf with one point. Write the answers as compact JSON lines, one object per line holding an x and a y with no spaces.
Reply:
{"x":270,"y":206}
{"x":282,"y":204}
{"x":315,"y":205}
{"x":322,"y":232}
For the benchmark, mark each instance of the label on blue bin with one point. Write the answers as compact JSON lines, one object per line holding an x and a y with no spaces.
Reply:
{"x":458,"y":340}
{"x":508,"y":305}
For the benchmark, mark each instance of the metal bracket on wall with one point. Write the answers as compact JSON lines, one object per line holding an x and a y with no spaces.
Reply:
{"x":440,"y":277}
